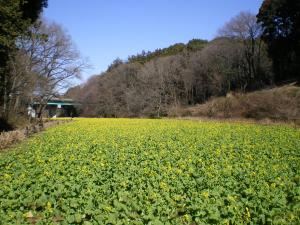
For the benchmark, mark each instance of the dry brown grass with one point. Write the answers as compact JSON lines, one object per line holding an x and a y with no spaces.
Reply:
{"x":178,"y":111}
{"x":7,"y":139}
{"x":277,"y":104}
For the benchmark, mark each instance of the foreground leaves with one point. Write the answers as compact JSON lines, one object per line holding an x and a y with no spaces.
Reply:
{"x":135,"y":171}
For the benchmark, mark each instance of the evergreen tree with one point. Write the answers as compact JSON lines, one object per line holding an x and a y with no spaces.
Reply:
{"x":281,"y":22}
{"x":15,"y":17}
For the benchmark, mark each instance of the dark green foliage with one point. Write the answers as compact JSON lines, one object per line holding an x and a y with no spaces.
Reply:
{"x":15,"y":17}
{"x":193,"y":45}
{"x":10,"y":27}
{"x":196,"y":44}
{"x":31,"y":9}
{"x":117,"y":62}
{"x":281,"y":22}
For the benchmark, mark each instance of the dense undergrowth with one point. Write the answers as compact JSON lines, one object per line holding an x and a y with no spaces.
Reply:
{"x":277,"y":104}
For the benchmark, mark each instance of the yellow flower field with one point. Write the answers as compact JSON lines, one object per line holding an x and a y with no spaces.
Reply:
{"x":143,"y":171}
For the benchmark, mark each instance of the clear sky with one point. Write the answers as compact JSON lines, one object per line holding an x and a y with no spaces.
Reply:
{"x":103,"y":30}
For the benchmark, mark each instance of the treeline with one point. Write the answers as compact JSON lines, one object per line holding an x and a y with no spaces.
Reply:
{"x":151,"y":89}
{"x":37,"y":59}
{"x":251,"y":52}
{"x":142,"y":58}
{"x":146,"y":85}
{"x":192,"y":45}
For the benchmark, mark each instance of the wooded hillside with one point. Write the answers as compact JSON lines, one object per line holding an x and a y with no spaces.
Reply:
{"x":242,"y":58}
{"x":149,"y":84}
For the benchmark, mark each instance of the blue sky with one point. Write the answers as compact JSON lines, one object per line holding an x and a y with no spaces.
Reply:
{"x":103,"y":30}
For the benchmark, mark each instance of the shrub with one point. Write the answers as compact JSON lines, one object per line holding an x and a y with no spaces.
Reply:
{"x":280,"y":104}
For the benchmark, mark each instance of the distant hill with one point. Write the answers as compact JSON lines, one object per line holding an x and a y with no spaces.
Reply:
{"x":151,"y":84}
{"x":192,"y":46}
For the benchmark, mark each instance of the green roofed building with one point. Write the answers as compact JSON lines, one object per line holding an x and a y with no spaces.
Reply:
{"x":56,"y":107}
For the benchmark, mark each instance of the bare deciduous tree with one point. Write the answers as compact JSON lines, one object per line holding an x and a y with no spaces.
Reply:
{"x":22,"y":82}
{"x":244,"y":28}
{"x":53,"y":60}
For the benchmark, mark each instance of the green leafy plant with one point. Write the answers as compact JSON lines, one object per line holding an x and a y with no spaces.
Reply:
{"x":142,"y":171}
